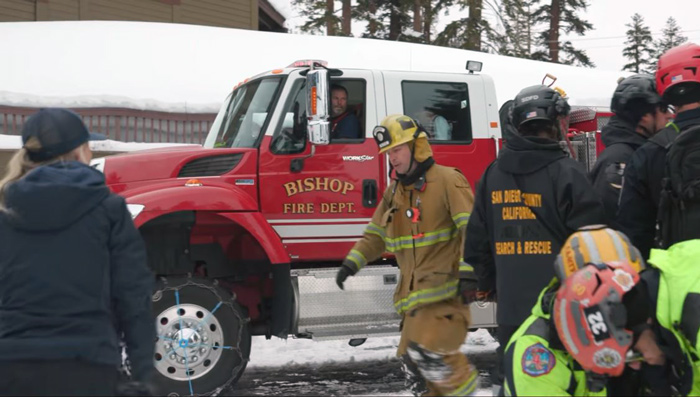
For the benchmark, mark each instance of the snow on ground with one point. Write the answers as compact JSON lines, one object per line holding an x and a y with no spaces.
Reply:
{"x":279,"y":352}
{"x":14,"y":142}
{"x":270,"y":357}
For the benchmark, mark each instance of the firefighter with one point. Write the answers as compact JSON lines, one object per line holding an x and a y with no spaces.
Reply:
{"x":679,"y":85}
{"x":530,"y":199}
{"x":420,"y":219}
{"x":639,"y":114}
{"x":590,"y":244}
{"x":582,"y":333}
{"x":667,"y":294}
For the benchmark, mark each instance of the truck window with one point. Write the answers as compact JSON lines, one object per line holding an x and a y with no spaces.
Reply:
{"x":290,"y":135}
{"x":244,"y":115}
{"x":442,"y":108}
{"x":347,"y":103}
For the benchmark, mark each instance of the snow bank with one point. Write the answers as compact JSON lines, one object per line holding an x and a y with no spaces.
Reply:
{"x":175,"y":67}
{"x":14,"y":142}
{"x":104,"y":101}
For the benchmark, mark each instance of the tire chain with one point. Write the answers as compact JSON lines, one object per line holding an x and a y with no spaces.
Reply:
{"x":126,"y":367}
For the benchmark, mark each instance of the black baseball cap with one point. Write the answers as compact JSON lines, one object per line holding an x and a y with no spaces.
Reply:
{"x":58,"y":130}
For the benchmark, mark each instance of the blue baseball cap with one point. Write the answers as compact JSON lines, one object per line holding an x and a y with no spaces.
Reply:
{"x":58,"y":130}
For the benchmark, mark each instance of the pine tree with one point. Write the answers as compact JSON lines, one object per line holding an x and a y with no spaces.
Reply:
{"x":466,"y":33}
{"x":369,"y":11}
{"x":672,"y":37}
{"x":320,"y":15}
{"x":346,"y":18}
{"x":518,"y":36}
{"x":638,"y":46}
{"x":562,"y":15}
{"x":474,"y":25}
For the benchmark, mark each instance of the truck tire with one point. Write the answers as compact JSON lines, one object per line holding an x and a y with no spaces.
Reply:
{"x":203,"y":339}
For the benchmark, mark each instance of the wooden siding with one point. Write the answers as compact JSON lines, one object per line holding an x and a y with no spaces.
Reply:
{"x":242,"y":14}
{"x":229,"y":13}
{"x":130,"y":10}
{"x":17,"y":10}
{"x":63,"y":10}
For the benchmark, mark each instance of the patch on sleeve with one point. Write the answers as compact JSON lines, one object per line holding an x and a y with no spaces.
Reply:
{"x":538,"y":360}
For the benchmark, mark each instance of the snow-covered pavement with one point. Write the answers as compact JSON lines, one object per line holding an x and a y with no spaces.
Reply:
{"x":306,"y":367}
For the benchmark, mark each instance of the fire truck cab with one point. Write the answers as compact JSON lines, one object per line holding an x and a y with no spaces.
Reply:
{"x":246,"y":233}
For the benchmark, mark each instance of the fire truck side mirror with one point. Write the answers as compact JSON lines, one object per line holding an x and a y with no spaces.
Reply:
{"x":317,"y":106}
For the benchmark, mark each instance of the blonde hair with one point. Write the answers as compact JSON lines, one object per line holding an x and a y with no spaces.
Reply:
{"x":20,"y":164}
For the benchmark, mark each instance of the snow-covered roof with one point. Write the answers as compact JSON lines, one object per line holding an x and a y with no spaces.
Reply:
{"x":189,"y":68}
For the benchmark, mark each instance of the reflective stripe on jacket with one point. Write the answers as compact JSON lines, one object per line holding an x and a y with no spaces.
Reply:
{"x":428,"y":250}
{"x":678,"y":300}
{"x":535,"y":363}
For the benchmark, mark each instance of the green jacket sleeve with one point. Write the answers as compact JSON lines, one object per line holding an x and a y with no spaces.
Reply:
{"x":533,"y":369}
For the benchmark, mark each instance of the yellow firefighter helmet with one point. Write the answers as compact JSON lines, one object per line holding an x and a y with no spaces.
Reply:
{"x":397,"y":129}
{"x":596,"y":244}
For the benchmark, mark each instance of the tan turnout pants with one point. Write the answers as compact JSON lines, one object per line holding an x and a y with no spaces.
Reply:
{"x":430,"y":340}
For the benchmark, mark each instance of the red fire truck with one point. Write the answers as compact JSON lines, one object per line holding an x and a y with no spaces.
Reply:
{"x":246,"y":233}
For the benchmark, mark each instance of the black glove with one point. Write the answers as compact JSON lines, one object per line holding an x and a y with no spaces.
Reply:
{"x":342,"y":275}
{"x":467,"y":290}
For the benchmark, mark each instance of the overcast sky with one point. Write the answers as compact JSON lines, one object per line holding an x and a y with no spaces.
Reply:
{"x":605,"y":42}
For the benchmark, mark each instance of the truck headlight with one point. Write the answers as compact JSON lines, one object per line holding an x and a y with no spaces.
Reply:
{"x":135,"y":209}
{"x":98,"y":164}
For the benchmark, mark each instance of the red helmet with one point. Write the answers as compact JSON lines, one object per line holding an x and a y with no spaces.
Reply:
{"x":678,"y":72}
{"x":591,"y":318}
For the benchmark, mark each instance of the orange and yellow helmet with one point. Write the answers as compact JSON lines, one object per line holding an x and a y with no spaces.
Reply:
{"x":596,"y":244}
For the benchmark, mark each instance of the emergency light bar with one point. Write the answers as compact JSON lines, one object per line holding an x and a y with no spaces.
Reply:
{"x":474,"y":66}
{"x":307,"y":62}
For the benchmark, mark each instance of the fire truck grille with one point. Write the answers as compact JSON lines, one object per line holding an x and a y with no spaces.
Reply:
{"x":210,"y":166}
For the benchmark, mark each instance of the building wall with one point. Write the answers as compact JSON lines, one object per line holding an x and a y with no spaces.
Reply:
{"x":242,"y":14}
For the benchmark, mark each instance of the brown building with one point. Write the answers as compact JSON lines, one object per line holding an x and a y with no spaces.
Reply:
{"x":241,"y":14}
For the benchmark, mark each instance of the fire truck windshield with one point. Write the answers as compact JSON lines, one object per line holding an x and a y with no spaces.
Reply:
{"x":245,"y":112}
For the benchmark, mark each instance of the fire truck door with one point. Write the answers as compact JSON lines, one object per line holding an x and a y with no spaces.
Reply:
{"x":320,"y":199}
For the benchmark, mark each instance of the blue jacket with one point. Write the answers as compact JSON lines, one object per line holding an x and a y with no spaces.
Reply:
{"x":345,"y":126}
{"x":73,"y":270}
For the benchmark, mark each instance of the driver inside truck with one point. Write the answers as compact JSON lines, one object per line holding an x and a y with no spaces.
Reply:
{"x":344,"y":123}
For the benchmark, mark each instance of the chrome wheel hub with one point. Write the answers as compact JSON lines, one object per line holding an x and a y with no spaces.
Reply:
{"x":190,"y":341}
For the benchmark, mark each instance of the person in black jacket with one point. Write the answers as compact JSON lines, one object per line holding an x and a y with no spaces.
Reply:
{"x":73,"y":269}
{"x":639,"y":114}
{"x":679,"y":85}
{"x":529,"y":200}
